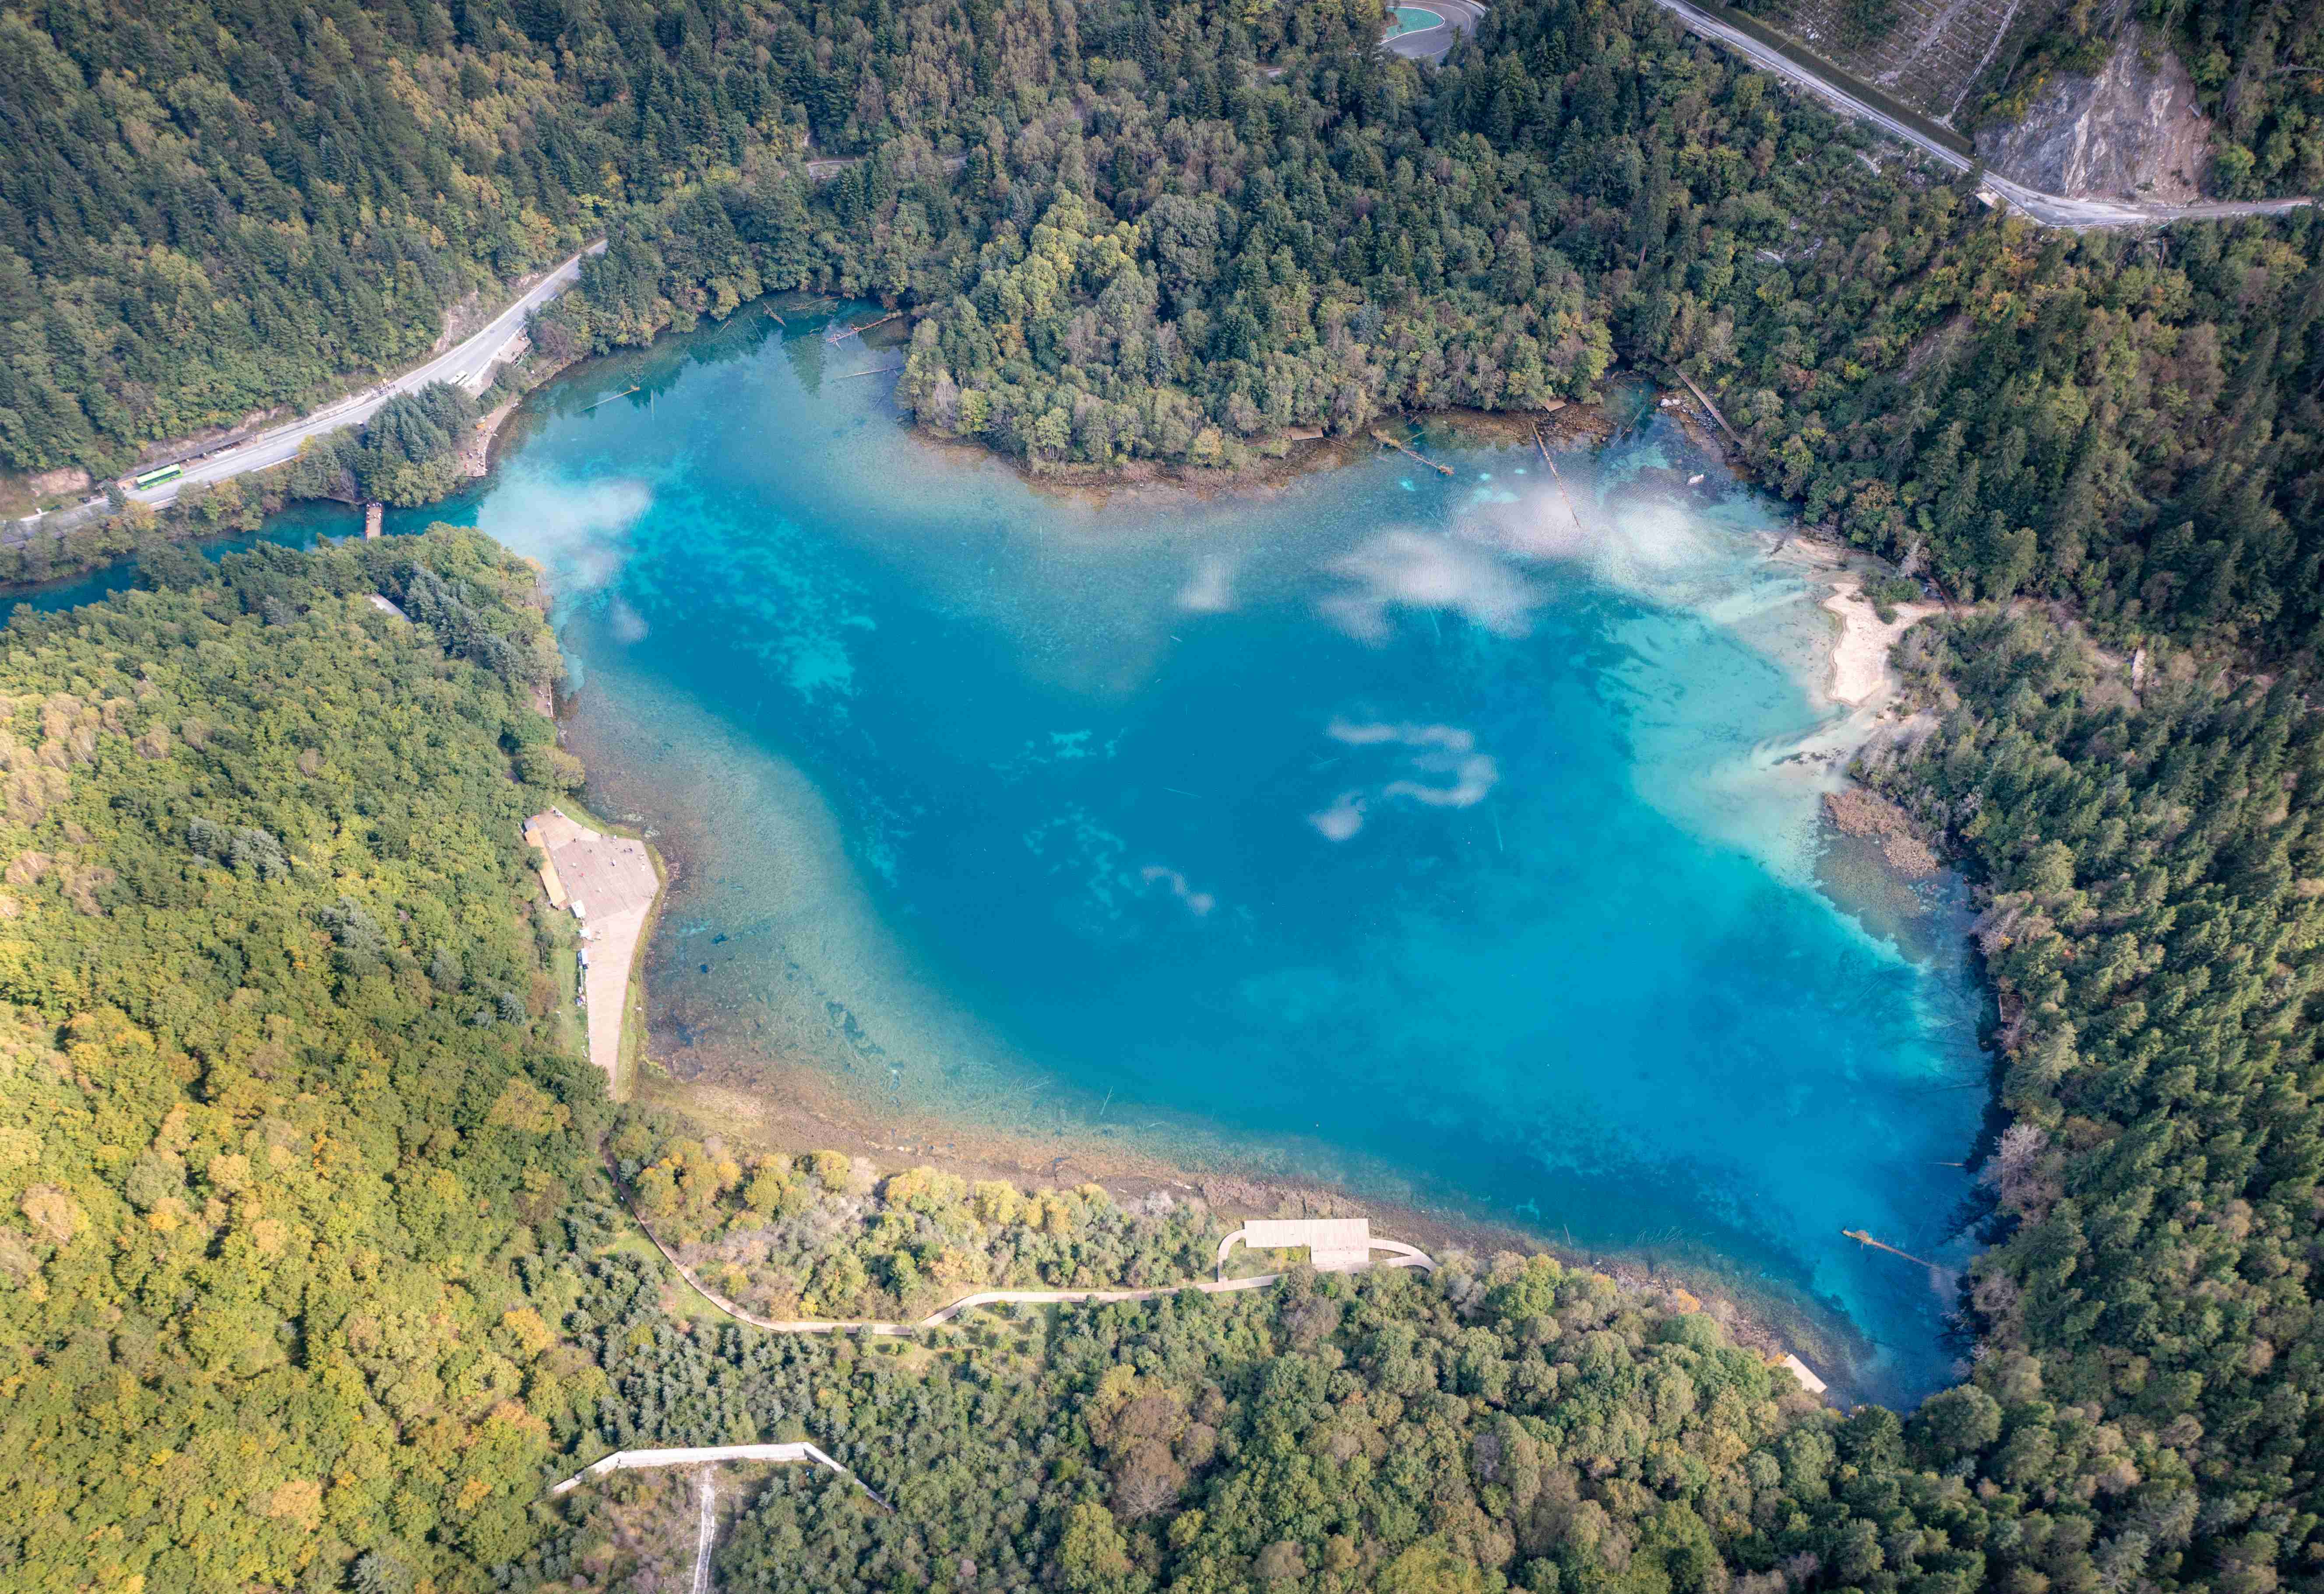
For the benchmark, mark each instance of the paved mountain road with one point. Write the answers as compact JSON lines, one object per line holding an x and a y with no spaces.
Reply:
{"x":467,"y":363}
{"x":2054,"y":210}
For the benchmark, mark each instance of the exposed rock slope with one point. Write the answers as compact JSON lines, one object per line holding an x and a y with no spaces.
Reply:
{"x":2133,"y":130}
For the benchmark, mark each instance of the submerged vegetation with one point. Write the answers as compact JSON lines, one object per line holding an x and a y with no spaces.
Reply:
{"x":1157,"y":251}
{"x":308,"y":1239}
{"x":1176,"y":232}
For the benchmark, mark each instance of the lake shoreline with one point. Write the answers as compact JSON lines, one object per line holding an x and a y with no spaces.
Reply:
{"x":796,"y":1108}
{"x":758,"y":1096}
{"x":1760,"y":1309}
{"x":762,"y":1090}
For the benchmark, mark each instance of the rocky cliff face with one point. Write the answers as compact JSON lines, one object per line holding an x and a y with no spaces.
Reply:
{"x":2133,"y":131}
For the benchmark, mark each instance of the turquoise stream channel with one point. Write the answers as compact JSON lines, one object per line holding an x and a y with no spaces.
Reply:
{"x":1443,"y":837}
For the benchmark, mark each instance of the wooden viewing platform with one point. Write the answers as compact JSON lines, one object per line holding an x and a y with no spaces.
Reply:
{"x":373,"y":515}
{"x":709,"y":1455}
{"x":1334,"y":1244}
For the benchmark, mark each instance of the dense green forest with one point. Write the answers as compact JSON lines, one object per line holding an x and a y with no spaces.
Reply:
{"x":307,"y":1275}
{"x":1158,"y":251}
{"x":310,"y":1275}
{"x":1176,"y":231}
{"x":2155,"y":859}
{"x":410,"y":452}
{"x":2140,"y":1413}
{"x":1514,"y":1424}
{"x":288,"y":1154}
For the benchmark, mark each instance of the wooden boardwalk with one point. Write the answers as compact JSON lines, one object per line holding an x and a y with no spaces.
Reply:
{"x":1404,"y":1256}
{"x":623,"y":1460}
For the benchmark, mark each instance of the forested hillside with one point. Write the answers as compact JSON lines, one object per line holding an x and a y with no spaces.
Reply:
{"x":821,"y":1235}
{"x":1154,"y":248}
{"x":1159,"y":252}
{"x":296,"y":1284}
{"x":2142,"y":1411}
{"x":212,"y":209}
{"x":2156,"y":862}
{"x":301,"y":1284}
{"x":1515,"y":1426}
{"x":288,"y":1147}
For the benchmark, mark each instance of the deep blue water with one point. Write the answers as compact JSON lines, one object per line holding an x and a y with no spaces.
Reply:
{"x":1429,"y":835}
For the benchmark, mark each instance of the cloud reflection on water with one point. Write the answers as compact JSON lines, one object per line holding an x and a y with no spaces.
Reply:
{"x":1439,"y":750}
{"x":1404,"y":569}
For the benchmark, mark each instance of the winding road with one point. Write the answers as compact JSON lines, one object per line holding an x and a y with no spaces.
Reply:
{"x":469,"y":362}
{"x":2054,"y":210}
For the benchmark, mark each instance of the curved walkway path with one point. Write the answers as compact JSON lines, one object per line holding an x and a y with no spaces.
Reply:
{"x":625,"y":1461}
{"x":1406,"y":1256}
{"x":945,"y":1314}
{"x":704,"y":1533}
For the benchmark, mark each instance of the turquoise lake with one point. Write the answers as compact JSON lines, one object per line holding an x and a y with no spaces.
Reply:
{"x":1452,"y":839}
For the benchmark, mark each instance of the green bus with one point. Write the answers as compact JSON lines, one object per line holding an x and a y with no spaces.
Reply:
{"x":157,"y":475}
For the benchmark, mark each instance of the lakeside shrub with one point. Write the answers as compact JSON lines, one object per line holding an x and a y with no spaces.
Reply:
{"x":410,"y":452}
{"x":274,"y":1206}
{"x":288,"y":1242}
{"x":2153,"y":862}
{"x":786,"y":1236}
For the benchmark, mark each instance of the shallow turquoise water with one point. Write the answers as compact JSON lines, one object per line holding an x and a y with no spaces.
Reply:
{"x":1431,"y":835}
{"x":1412,"y":19}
